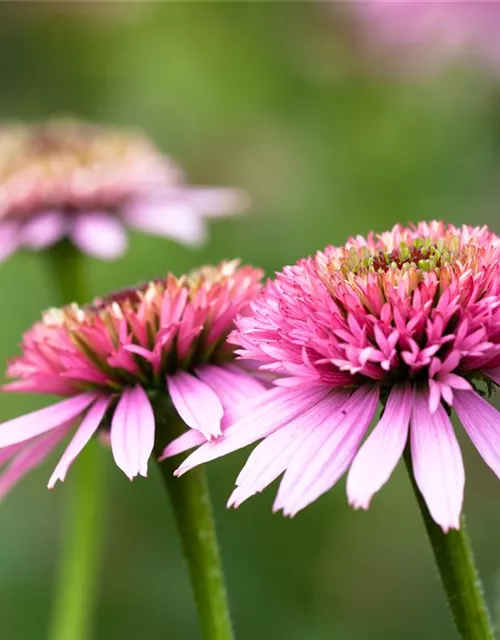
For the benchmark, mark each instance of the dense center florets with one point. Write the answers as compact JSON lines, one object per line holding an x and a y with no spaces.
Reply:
{"x":419,"y":256}
{"x":70,"y":166}
{"x":419,"y":303}
{"x":137,"y":334}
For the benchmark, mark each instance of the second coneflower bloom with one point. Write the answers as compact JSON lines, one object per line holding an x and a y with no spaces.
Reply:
{"x":70,"y":179}
{"x":110,"y":359}
{"x":409,"y":319}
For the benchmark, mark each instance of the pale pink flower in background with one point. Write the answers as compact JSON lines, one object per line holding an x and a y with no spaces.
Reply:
{"x":69,"y":179}
{"x":409,"y":317}
{"x":425,"y":35}
{"x":110,"y":358}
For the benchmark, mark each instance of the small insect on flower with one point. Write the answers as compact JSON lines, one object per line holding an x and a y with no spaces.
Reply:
{"x":111,"y":358}
{"x":68,"y":179}
{"x":409,"y":318}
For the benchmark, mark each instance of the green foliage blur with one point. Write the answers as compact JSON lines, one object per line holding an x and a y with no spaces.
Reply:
{"x":279,"y":99}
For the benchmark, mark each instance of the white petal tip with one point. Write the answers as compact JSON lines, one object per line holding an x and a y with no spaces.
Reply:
{"x":455,"y":526}
{"x":181,"y":471}
{"x":360,"y":504}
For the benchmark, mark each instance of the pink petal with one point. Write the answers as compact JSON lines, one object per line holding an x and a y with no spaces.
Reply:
{"x":184,"y":442}
{"x":230,"y":383}
{"x":196,"y":403}
{"x":175,"y":220}
{"x":482,"y":423}
{"x":99,"y":235}
{"x":43,"y":230}
{"x":40,"y":383}
{"x":37,"y":422}
{"x":215,"y":202}
{"x":494,"y":374}
{"x":437,"y":462}
{"x":272,"y":456}
{"x":83,"y":434}
{"x":133,"y":432}
{"x":10,"y":239}
{"x":455,"y":382}
{"x":328,"y":463}
{"x":30,"y":456}
{"x":8,"y":452}
{"x":380,"y":453}
{"x":434,"y":396}
{"x":271,"y":411}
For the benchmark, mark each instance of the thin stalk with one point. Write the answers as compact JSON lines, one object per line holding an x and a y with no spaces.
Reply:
{"x":190,"y":500}
{"x":460,"y":578}
{"x":75,"y":595}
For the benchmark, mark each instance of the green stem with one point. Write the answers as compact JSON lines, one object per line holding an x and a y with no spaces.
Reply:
{"x":66,"y":271}
{"x":77,"y":580}
{"x":460,"y":578}
{"x":190,"y":500}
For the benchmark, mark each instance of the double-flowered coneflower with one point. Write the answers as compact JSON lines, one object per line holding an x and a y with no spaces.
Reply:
{"x":408,"y":319}
{"x":111,"y":358}
{"x":69,"y":179}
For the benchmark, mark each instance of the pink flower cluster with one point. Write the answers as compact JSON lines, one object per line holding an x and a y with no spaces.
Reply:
{"x":112,"y":358}
{"x":410,"y":317}
{"x":70,"y":179}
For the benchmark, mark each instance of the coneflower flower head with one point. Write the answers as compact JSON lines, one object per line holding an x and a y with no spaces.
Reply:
{"x":71,"y":179}
{"x":110,"y":358}
{"x":409,"y":318}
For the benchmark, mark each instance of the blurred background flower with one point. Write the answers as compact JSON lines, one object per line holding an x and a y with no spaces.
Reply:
{"x":271,"y":97}
{"x":427,"y":35}
{"x":65,"y":178}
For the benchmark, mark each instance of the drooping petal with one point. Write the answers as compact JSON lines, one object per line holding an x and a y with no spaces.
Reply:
{"x":437,"y":462}
{"x":8,"y":452}
{"x":133,"y":432}
{"x":230,"y":383}
{"x":175,"y":220}
{"x":37,"y":422}
{"x":83,"y":434}
{"x":494,"y":374}
{"x":482,"y":423}
{"x":274,"y":454}
{"x":43,"y":230}
{"x":31,"y":455}
{"x":234,"y":387}
{"x":196,"y":403}
{"x":380,"y":453}
{"x":184,"y":442}
{"x":269,"y":412}
{"x":99,"y":235}
{"x":332,"y":458}
{"x":10,"y":239}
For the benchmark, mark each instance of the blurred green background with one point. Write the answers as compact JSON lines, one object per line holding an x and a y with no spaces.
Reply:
{"x":277,"y":98}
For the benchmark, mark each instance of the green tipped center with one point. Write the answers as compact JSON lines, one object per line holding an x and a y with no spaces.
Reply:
{"x":421,"y":255}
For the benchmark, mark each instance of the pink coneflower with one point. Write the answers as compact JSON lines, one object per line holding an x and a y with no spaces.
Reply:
{"x":86,"y":182}
{"x":426,"y":34}
{"x":111,"y":358}
{"x":409,"y":318}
